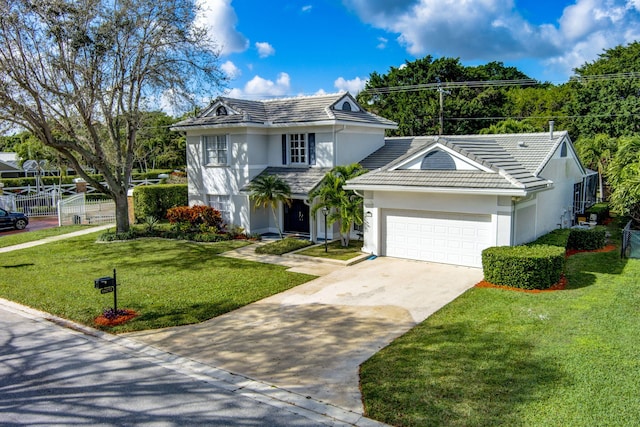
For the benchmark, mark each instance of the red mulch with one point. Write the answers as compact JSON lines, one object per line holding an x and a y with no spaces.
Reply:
{"x":562,"y":283}
{"x":607,"y":248}
{"x":103,"y":321}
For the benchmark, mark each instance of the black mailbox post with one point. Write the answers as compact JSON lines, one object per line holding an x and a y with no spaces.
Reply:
{"x":104,"y":282}
{"x":106,"y":285}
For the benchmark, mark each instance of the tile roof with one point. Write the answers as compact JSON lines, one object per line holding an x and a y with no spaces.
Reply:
{"x":298,"y":110}
{"x":301,"y":180}
{"x":514,"y":161}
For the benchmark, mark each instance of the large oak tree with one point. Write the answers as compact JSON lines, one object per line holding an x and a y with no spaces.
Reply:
{"x":78,"y":73}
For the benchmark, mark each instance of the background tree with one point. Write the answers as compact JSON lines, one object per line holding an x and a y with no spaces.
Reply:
{"x":269,"y":191}
{"x":509,"y":126}
{"x":417,"y":110}
{"x":596,"y":153}
{"x":157,"y":146}
{"x":76,"y":73}
{"x":623,"y":174}
{"x":607,"y":94}
{"x":344,"y":206}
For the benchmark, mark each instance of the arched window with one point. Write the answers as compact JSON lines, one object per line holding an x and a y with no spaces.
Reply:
{"x":221,"y":111}
{"x":346,"y":106}
{"x":563,"y":150}
{"x":438,"y":160}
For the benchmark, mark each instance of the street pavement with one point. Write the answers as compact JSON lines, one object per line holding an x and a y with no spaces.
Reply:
{"x":54,"y":375}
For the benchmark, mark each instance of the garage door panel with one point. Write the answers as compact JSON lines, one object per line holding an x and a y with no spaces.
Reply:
{"x":436,"y":236}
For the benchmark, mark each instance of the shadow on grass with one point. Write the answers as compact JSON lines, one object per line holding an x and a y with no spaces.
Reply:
{"x":454,"y":374}
{"x":582,"y":268}
{"x":18,"y":265}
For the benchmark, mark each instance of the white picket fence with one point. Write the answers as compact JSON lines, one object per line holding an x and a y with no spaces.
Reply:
{"x":79,"y":210}
{"x":71,"y":189}
{"x":42,"y":204}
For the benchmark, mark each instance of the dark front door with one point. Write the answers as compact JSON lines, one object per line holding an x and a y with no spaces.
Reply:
{"x":296,"y":217}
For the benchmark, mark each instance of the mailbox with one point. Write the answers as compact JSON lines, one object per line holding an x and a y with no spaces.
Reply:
{"x":104,"y":282}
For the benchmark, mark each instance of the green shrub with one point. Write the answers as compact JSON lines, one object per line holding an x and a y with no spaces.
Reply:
{"x":525,"y":267}
{"x":155,"y":200}
{"x":587,"y":239}
{"x":283,"y":246}
{"x":558,"y":237}
{"x":600,"y":209}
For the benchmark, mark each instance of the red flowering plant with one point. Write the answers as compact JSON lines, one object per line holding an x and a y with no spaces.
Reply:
{"x":197,"y":216}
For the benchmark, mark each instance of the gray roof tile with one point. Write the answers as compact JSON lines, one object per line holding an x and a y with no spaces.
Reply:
{"x":301,"y":180}
{"x":515,"y":161}
{"x":281,"y":112}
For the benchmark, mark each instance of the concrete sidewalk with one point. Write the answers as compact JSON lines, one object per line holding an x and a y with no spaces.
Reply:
{"x":55,"y":238}
{"x":311,"y":339}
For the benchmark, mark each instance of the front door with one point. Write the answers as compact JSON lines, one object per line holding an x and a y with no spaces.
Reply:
{"x":296,"y":217}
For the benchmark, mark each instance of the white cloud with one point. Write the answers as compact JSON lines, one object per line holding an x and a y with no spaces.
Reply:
{"x":382,"y":42}
{"x":231,"y":70}
{"x":353,"y":86}
{"x":259,"y":87}
{"x":265,"y":49}
{"x":307,"y":8}
{"x":219,"y":18}
{"x":494,"y":29}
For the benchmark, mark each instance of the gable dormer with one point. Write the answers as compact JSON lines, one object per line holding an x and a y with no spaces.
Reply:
{"x":219,"y":108}
{"x":346,"y":104}
{"x":439,"y":157}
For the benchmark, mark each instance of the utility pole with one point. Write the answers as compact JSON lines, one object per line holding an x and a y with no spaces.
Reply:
{"x":441,"y":93}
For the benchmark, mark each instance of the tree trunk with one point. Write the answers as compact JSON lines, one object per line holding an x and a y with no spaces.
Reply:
{"x":122,"y":211}
{"x":275,"y":218}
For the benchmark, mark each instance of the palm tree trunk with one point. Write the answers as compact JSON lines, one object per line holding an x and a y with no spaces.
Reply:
{"x":275,"y":218}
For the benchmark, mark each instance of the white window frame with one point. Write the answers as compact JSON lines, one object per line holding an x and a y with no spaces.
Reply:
{"x":215,"y":149}
{"x":222,"y":203}
{"x":298,"y":148}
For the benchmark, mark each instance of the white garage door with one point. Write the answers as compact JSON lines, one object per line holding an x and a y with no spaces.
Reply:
{"x":449,"y":238}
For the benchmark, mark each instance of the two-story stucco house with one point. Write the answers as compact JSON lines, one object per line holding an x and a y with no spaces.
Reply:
{"x":300,"y":139}
{"x":441,"y":199}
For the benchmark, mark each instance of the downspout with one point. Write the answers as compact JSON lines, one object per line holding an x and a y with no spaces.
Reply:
{"x":513,"y":222}
{"x":335,"y":143}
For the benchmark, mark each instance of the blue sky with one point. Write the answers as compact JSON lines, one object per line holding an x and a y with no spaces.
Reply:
{"x":303,"y":47}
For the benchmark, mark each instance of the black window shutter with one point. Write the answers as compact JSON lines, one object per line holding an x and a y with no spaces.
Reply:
{"x":284,"y":149}
{"x":312,"y":148}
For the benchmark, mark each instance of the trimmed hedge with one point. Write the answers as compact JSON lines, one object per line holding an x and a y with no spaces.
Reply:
{"x":525,"y":267}
{"x":600,"y":209}
{"x":587,"y":239}
{"x":156,"y":200}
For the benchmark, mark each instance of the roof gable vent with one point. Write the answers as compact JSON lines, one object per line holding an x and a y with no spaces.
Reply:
{"x":438,"y":160}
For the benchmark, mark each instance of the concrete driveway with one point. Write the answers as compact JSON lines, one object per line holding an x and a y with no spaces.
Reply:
{"x":312,"y":339}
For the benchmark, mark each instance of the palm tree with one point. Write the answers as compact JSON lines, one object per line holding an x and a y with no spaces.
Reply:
{"x":344,"y":206}
{"x":596,"y":153}
{"x":269,"y":190}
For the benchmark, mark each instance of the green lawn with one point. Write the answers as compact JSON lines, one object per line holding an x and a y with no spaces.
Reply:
{"x":167,"y":282}
{"x":335,"y":250}
{"x":500,"y":357}
{"x":15,"y":239}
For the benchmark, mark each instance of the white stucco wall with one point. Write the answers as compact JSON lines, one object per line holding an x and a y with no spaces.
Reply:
{"x":354,"y":144}
{"x":553,"y":208}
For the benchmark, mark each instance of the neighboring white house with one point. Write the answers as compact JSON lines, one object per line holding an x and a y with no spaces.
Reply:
{"x":447,"y":198}
{"x":441,"y":199}
{"x":300,"y":139}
